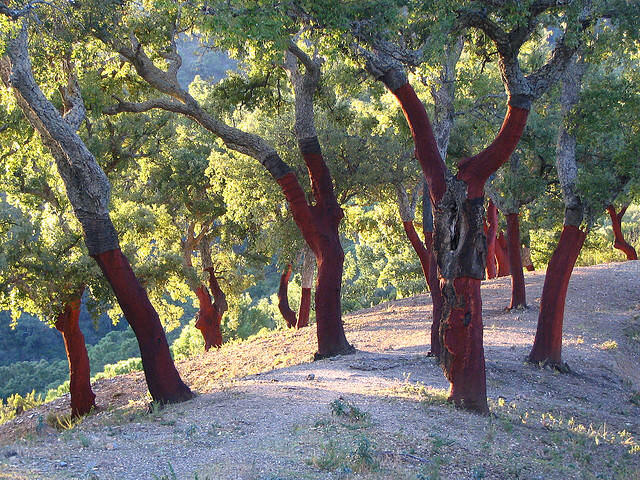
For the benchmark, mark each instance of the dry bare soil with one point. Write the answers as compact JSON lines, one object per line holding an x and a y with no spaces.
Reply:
{"x":264,"y":410}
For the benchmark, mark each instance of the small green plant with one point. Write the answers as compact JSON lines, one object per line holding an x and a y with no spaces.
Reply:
{"x":16,"y":404}
{"x":342,"y":408}
{"x":635,"y":398}
{"x":363,"y":458}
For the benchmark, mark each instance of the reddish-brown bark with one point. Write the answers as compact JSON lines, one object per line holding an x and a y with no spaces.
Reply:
{"x":319,"y":226}
{"x":492,"y":228}
{"x":283,"y":299}
{"x":163,"y":380}
{"x":501,"y":255}
{"x":67,"y":323}
{"x":208,"y":319}
{"x":461,"y":265}
{"x":518,"y":292}
{"x":305,"y":308}
{"x":418,"y":247}
{"x":547,"y":347}
{"x":619,"y":242}
{"x":463,"y":356}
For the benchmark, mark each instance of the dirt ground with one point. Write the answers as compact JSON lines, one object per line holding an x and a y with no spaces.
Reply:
{"x":264,"y":410}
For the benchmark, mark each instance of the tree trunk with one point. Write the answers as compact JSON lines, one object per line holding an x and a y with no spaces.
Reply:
{"x":619,"y":242}
{"x":208,"y":320}
{"x":492,"y":228}
{"x":82,"y":397}
{"x":432,"y":278}
{"x":525,"y":253}
{"x":163,"y":380}
{"x":88,"y":190}
{"x":308,"y":269}
{"x":418,"y":247}
{"x":547,"y":347}
{"x":459,"y":241}
{"x":518,"y":292}
{"x":319,"y":225}
{"x":501,"y":255}
{"x":283,"y":298}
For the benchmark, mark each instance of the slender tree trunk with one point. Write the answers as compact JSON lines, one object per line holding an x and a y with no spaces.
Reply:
{"x":418,"y":247}
{"x":163,"y":380}
{"x":501,"y":255}
{"x":308,"y":269}
{"x":82,"y":397}
{"x":433,"y":281}
{"x":547,"y":347}
{"x":492,"y":228}
{"x":283,"y":298}
{"x":518,"y":292}
{"x":619,"y":242}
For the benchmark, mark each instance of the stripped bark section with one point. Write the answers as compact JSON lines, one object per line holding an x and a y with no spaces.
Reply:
{"x":67,"y":323}
{"x":618,"y":238}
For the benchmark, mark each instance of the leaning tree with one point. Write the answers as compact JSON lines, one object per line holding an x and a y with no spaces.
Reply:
{"x":88,"y":189}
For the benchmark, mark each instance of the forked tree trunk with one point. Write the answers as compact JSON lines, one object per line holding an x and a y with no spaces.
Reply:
{"x":459,"y":242}
{"x":283,"y":298}
{"x":88,"y":191}
{"x":492,"y":228}
{"x":502,"y":257}
{"x":82,"y":397}
{"x":418,"y":247}
{"x":547,"y":346}
{"x":518,"y":293}
{"x":619,"y":242}
{"x":308,"y":269}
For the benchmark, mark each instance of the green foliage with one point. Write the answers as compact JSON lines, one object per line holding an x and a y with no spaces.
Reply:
{"x":17,"y":404}
{"x":189,"y":343}
{"x":120,"y":368}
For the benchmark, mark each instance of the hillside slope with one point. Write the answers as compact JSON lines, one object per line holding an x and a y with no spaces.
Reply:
{"x":265,"y":411}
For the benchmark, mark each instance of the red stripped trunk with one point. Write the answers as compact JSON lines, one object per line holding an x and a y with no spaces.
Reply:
{"x":619,"y":242}
{"x":163,"y":380}
{"x":492,"y":228}
{"x":208,"y":321}
{"x":518,"y":292}
{"x":305,"y":308}
{"x":418,"y":247}
{"x":501,"y":255}
{"x":82,"y":397}
{"x":283,"y":299}
{"x":463,"y":355}
{"x":432,"y":278}
{"x":319,"y":226}
{"x":547,"y":347}
{"x":460,"y":244}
